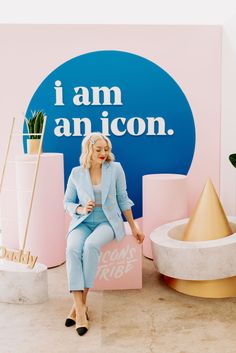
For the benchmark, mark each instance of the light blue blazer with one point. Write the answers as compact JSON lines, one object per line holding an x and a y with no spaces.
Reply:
{"x":114,"y":195}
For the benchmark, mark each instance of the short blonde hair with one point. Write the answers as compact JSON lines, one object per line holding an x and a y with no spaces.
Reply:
{"x":87,"y":148}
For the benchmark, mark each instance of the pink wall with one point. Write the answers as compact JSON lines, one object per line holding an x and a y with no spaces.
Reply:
{"x":190,"y":54}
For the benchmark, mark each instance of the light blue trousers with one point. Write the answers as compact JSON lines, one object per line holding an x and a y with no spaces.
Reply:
{"x":83,"y":249}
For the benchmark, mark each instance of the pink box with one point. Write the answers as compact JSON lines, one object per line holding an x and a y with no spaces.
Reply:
{"x":120,"y":264}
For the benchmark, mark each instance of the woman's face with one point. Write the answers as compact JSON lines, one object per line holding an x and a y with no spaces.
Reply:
{"x":100,"y":152}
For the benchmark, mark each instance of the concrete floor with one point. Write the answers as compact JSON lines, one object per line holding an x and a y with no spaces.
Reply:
{"x":154,"y":319}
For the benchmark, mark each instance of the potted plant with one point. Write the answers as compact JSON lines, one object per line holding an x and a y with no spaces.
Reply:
{"x":35,"y":126}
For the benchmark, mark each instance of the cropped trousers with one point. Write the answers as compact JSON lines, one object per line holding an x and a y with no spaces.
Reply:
{"x":83,"y":249}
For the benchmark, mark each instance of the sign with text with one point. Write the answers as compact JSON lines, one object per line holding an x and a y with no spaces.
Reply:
{"x":137,"y":104}
{"x":120,"y":265}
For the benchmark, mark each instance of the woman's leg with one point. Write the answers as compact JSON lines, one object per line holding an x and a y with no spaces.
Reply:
{"x":101,"y":235}
{"x":85,"y":293}
{"x":74,"y":252}
{"x":81,"y":317}
{"x":72,"y":314}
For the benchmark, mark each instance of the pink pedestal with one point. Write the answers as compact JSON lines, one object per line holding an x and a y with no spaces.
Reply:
{"x":120,"y":264}
{"x":46,"y":236}
{"x":164,"y":200}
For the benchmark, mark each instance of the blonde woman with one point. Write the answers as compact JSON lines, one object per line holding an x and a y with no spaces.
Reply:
{"x":95,"y":197}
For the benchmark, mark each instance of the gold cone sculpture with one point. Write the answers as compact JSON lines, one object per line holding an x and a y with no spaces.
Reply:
{"x":208,"y":222}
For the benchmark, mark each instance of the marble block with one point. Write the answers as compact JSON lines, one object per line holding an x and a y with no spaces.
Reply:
{"x":21,"y":285}
{"x":199,"y":260}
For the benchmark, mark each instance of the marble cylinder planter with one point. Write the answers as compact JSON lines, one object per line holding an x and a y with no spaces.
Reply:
{"x":195,"y":262}
{"x":21,"y":285}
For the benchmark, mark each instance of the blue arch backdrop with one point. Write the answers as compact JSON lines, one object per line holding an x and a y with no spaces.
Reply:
{"x":140,"y":107}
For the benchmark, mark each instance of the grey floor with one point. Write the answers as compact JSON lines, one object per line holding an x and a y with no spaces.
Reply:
{"x":154,"y":319}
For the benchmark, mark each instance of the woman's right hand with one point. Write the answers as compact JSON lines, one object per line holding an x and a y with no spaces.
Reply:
{"x":87,"y":209}
{"x":90,"y":205}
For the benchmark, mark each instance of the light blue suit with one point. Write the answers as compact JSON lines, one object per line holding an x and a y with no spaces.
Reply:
{"x":114,"y":195}
{"x":88,"y":233}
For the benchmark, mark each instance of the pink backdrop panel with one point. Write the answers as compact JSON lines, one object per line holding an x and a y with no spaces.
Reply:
{"x":190,"y":54}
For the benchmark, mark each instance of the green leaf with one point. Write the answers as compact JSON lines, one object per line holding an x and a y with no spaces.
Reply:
{"x":232,"y":158}
{"x":27,"y":124}
{"x":37,"y":125}
{"x":42,"y":120}
{"x":31,"y":128}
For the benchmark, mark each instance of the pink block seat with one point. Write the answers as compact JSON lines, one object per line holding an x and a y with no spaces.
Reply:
{"x":120,"y":264}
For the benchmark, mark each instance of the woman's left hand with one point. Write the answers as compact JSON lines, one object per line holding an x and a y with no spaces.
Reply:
{"x":138,"y":234}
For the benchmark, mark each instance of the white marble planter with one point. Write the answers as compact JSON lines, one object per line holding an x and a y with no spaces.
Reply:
{"x":21,"y":285}
{"x":204,"y":260}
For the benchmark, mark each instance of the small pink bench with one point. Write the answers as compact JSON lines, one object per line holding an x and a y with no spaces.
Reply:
{"x":120,"y":264}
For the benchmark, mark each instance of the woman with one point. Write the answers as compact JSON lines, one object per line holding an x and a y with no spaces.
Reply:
{"x":95,"y":196}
